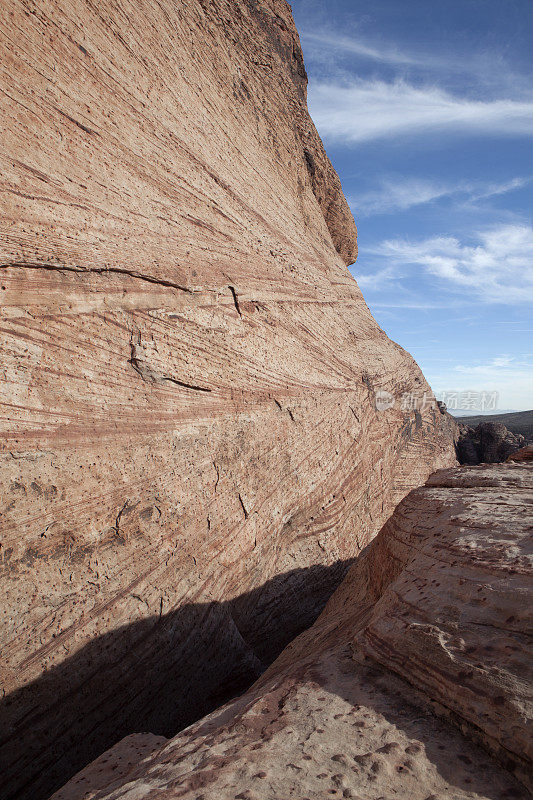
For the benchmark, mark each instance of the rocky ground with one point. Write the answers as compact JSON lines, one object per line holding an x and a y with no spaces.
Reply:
{"x":415,"y":682}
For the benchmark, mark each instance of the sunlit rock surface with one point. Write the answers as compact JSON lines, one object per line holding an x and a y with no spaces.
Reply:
{"x":414,"y":683}
{"x":190,"y":453}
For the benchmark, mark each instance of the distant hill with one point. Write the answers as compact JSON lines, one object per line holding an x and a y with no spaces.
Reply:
{"x":517,"y":422}
{"x":465,"y":412}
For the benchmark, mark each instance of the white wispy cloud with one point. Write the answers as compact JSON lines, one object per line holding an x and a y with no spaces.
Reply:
{"x":420,"y":305}
{"x":494,"y":189}
{"x":488,"y":69}
{"x":376,"y":280}
{"x":498,"y":268}
{"x":383,"y":53}
{"x":511,"y":378}
{"x":400,"y":192}
{"x":368,"y":110}
{"x":497,"y":367}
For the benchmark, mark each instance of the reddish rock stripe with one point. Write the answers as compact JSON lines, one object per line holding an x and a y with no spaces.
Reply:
{"x":332,"y":716}
{"x":169,"y":217}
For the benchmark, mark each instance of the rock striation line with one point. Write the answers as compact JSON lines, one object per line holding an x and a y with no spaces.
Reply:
{"x":162,"y":185}
{"x":414,"y":683}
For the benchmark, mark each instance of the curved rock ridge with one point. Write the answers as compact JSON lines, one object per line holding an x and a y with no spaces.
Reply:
{"x":191,"y":453}
{"x":415,"y":682}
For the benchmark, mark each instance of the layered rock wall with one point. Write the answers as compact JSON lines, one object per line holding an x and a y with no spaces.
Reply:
{"x":190,"y":453}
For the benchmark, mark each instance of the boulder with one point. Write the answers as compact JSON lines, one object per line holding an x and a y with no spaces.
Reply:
{"x":487,"y":443}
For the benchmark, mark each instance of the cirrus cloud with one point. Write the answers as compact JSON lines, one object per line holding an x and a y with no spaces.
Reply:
{"x":399,"y":193}
{"x":367,"y":110}
{"x":498,"y":267}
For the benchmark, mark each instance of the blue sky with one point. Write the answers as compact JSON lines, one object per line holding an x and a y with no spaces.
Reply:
{"x":426,"y":110}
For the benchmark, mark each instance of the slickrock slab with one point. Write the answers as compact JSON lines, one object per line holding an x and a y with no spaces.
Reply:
{"x":118,"y":762}
{"x":415,"y":682}
{"x":190,"y":449}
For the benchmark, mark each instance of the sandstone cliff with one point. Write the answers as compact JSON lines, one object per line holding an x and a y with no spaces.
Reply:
{"x":414,"y":683}
{"x":190,"y":453}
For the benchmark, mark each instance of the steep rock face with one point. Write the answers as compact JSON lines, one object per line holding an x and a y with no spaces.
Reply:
{"x":415,"y":682}
{"x":191,"y":452}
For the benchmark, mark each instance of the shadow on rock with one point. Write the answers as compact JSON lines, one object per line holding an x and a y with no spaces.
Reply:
{"x":159,"y":674}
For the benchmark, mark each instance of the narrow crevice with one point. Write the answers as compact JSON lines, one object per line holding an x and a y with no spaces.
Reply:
{"x":243,"y":507}
{"x":76,"y":122}
{"x":355,"y":414}
{"x":137,"y":366}
{"x":235,"y":300}
{"x":99,"y":271}
{"x":133,"y":360}
{"x":288,"y":410}
{"x":118,"y":518}
{"x":188,"y":385}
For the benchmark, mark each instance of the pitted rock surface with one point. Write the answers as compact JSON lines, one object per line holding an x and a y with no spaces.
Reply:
{"x":191,"y":455}
{"x":415,"y":682}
